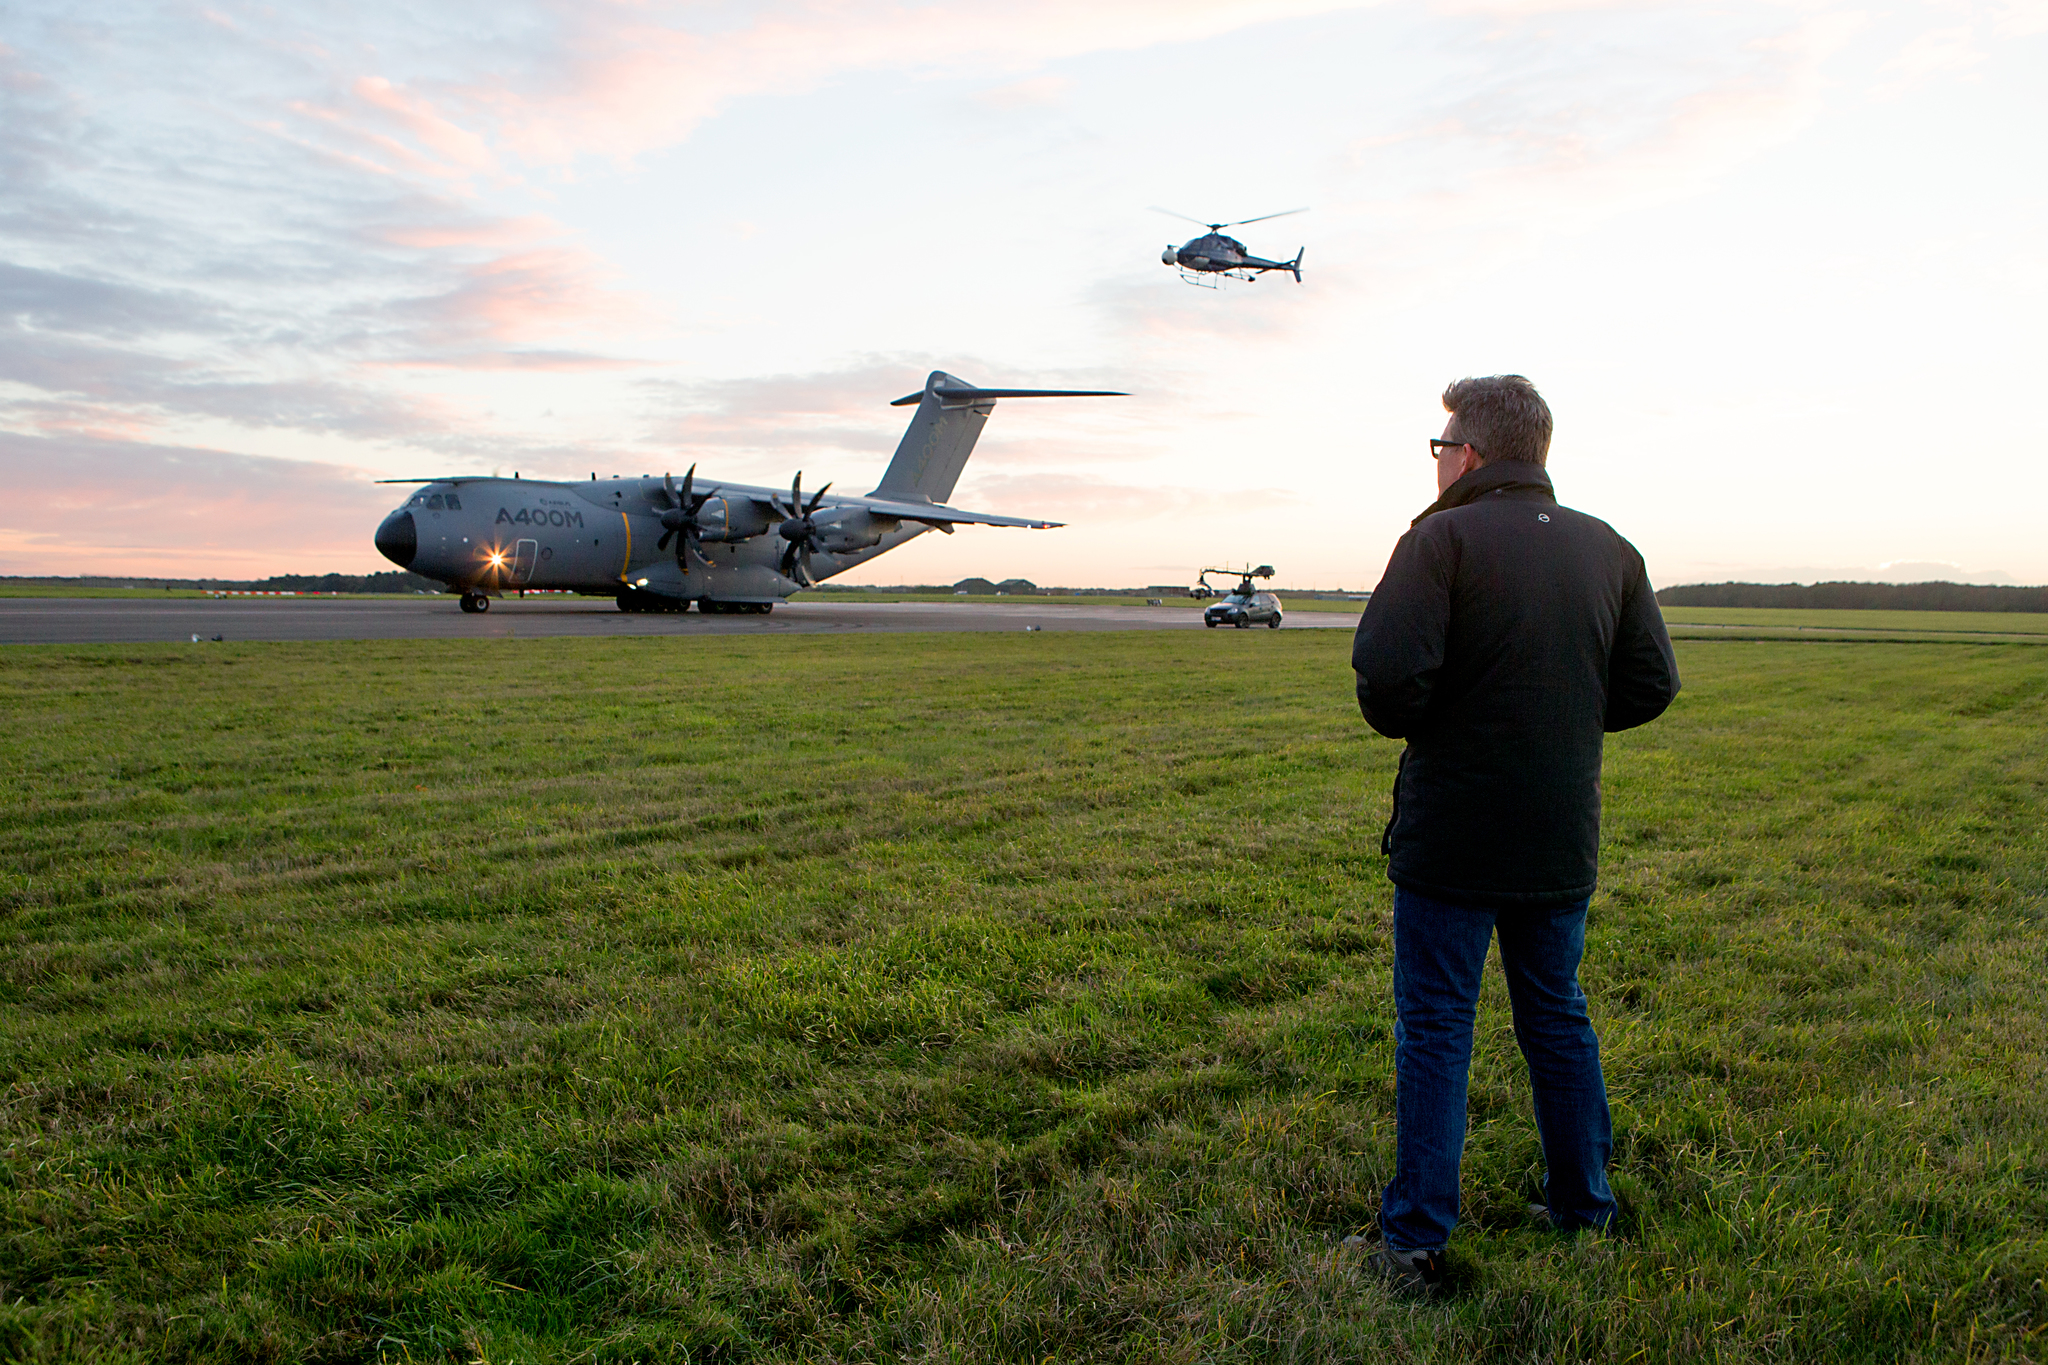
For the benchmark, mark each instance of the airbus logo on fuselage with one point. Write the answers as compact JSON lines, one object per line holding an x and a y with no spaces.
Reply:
{"x":540,"y":517}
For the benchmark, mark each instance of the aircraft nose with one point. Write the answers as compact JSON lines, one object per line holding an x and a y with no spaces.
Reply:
{"x":398,"y":540}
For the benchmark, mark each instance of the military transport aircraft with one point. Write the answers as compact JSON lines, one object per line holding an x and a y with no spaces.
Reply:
{"x":727,"y":547}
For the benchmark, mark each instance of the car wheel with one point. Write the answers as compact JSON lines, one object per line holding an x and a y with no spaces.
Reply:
{"x":1209,"y":623}
{"x":1273,"y":624}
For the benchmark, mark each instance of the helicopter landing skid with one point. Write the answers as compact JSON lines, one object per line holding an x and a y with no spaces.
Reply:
{"x":1213,"y":279}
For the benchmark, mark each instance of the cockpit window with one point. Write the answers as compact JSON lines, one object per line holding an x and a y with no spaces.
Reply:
{"x":434,"y":503}
{"x":418,"y":500}
{"x":454,"y":503}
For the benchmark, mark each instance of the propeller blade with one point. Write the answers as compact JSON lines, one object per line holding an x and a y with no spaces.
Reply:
{"x":796,"y":492}
{"x":816,"y":498}
{"x":668,"y":487}
{"x":688,"y":478}
{"x":1284,"y":213}
{"x":662,"y":544}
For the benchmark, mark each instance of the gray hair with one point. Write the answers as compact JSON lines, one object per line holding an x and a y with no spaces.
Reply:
{"x":1502,"y":416}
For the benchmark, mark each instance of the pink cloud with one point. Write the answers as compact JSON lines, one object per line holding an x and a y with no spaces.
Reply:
{"x":101,"y":505}
{"x":496,"y":233}
{"x":522,"y":297}
{"x":1082,"y":498}
{"x":624,"y":77}
{"x":452,"y":142}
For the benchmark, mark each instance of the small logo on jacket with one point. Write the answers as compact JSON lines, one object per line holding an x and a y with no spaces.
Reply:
{"x":1543,"y":516}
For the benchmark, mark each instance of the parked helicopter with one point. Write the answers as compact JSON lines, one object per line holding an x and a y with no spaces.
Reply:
{"x":1207,"y":259}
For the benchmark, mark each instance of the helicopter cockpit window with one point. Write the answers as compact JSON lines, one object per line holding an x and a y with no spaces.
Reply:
{"x":434,"y":503}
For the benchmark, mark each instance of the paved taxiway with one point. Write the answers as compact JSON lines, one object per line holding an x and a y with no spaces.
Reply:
{"x":91,"y":620}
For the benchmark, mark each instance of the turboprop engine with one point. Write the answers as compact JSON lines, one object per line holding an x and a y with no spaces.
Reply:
{"x":854,"y":529}
{"x":729,"y":519}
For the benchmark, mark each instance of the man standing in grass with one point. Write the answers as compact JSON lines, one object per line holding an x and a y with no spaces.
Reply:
{"x":1508,"y":635}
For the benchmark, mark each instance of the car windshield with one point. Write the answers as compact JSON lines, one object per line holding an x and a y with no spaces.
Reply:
{"x":1237,"y":599}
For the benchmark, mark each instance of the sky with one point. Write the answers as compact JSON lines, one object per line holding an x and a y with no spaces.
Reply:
{"x":1777,"y":265}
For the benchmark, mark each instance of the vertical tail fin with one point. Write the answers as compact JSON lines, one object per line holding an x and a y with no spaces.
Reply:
{"x":1295,"y":264}
{"x":950,"y":415}
{"x":935,"y":447}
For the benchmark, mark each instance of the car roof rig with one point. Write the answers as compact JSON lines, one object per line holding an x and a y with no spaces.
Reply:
{"x":1244,"y":577}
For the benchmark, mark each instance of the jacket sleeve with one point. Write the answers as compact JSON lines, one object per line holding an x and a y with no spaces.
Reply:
{"x":1642,"y":672}
{"x":1399,"y":649}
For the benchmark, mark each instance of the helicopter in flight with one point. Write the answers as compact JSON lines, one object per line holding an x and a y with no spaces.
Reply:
{"x":1213,"y":257}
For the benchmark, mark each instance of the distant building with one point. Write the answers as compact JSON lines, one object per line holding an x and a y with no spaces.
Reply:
{"x":1167,"y":590}
{"x":975,"y":587}
{"x":1016,"y":586}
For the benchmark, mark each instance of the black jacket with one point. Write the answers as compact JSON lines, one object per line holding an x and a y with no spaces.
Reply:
{"x":1507,"y":636}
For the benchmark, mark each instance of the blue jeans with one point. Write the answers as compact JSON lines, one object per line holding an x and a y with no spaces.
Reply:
{"x":1439,"y":951}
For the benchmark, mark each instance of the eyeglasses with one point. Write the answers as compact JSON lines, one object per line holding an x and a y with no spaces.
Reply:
{"x":1437,"y":446}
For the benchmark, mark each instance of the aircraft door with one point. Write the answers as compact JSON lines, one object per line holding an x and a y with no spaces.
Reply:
{"x":525,"y":555}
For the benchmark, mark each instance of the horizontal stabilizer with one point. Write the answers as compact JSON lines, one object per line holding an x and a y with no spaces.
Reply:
{"x":960,"y":393}
{"x":950,"y":415}
{"x":933,"y":514}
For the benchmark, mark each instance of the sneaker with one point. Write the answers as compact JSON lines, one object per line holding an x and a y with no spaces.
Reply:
{"x":1418,"y":1273}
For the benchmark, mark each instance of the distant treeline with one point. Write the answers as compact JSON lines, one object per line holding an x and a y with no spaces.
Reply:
{"x":393,"y":580}
{"x":1859,"y":596}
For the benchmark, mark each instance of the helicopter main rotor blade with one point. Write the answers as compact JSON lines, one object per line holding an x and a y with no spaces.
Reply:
{"x":1183,"y":217}
{"x":1284,"y":213}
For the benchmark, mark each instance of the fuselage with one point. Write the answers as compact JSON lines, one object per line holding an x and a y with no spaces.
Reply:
{"x":1216,"y":253}
{"x":490,"y":536}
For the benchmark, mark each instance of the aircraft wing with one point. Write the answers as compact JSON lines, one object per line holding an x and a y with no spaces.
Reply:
{"x":937,"y":514}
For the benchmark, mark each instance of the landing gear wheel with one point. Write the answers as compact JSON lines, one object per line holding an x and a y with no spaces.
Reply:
{"x":475,"y":602}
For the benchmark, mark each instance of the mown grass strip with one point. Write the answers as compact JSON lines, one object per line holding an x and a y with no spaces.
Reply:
{"x":981,"y":998}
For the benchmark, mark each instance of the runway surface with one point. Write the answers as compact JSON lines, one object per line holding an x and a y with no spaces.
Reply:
{"x":83,"y":620}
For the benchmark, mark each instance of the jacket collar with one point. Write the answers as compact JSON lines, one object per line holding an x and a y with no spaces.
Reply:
{"x":1498,"y":477}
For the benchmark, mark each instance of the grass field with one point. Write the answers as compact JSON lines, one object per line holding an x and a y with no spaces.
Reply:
{"x":1288,"y":601}
{"x":159,"y":594}
{"x":1968,"y":622}
{"x":977,"y":998}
